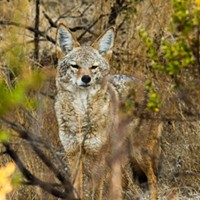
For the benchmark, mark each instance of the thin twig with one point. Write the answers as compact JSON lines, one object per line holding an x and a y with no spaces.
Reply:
{"x":63,"y":16}
{"x":91,"y":25}
{"x":36,"y":34}
{"x":41,"y":33}
{"x":158,"y":19}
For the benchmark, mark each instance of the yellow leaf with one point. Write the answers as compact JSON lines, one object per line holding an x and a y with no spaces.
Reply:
{"x":7,"y":170}
{"x":5,"y":182}
{"x":198,"y":4}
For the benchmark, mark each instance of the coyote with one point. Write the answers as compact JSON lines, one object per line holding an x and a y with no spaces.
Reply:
{"x":102,"y":124}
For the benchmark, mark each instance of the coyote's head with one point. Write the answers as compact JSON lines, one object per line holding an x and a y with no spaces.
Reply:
{"x":83,"y":66}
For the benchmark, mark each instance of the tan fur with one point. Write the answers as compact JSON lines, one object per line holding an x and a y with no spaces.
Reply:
{"x":102,"y":123}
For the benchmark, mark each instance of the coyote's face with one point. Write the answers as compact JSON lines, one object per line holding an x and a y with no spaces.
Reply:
{"x":85,"y":66}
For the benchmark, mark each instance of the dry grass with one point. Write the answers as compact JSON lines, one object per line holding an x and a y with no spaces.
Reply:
{"x":179,"y":176}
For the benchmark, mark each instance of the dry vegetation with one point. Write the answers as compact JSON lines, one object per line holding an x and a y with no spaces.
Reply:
{"x":179,"y":175}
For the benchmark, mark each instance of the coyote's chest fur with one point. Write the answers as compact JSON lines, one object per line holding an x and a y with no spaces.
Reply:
{"x":83,"y":119}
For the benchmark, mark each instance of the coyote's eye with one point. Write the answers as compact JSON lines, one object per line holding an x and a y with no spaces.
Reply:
{"x":94,"y":67}
{"x":75,"y":66}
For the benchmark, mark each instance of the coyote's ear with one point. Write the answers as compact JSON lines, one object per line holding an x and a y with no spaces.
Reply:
{"x":65,"y":39}
{"x":105,"y":42}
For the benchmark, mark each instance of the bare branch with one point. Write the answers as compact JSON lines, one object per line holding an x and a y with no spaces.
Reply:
{"x":51,"y":22}
{"x":31,"y":29}
{"x":91,"y":25}
{"x":33,"y":141}
{"x":112,"y":17}
{"x":33,"y":180}
{"x":63,"y":16}
{"x":36,"y":34}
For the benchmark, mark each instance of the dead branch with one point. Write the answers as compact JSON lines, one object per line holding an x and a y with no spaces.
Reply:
{"x":31,"y":29}
{"x":33,"y":180}
{"x":36,"y":33}
{"x":33,"y":140}
{"x":63,"y":16}
{"x":74,"y":29}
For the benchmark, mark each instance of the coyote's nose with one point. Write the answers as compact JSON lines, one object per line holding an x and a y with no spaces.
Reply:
{"x":86,"y":79}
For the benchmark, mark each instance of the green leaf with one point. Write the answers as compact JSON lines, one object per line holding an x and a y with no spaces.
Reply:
{"x":16,"y":179}
{"x":5,"y":136}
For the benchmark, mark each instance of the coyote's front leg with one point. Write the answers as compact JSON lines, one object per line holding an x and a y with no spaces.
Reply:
{"x":152,"y":180}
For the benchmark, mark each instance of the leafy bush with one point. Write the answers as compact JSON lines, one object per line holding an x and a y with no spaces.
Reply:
{"x":182,"y":50}
{"x":179,"y":50}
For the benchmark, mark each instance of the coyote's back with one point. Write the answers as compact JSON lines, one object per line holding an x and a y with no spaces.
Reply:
{"x":100,"y":135}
